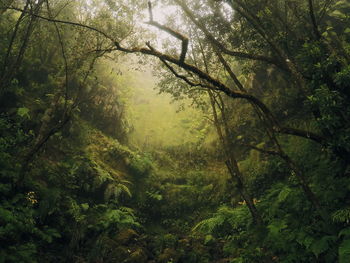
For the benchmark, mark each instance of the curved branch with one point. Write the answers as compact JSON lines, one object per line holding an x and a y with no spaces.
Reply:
{"x":214,"y":83}
{"x":63,"y":22}
{"x":301,"y":133}
{"x":275,"y":124}
{"x":184,"y":39}
{"x":270,"y":152}
{"x":184,"y":78}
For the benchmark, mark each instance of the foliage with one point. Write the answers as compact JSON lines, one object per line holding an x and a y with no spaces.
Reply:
{"x":95,"y":166}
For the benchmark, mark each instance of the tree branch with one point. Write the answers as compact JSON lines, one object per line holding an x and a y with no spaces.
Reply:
{"x":150,"y":11}
{"x":270,"y":152}
{"x":152,"y":52}
{"x":184,"y":78}
{"x":170,"y":31}
{"x":313,"y":20}
{"x":275,"y":124}
{"x":225,"y":50}
{"x":301,"y":133}
{"x":215,"y":84}
{"x":63,"y":54}
{"x":63,"y":22}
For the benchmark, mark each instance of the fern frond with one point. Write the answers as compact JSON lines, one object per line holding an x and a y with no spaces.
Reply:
{"x":342,"y":215}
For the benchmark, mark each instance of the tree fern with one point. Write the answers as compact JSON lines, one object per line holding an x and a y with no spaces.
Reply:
{"x":116,"y":188}
{"x":344,"y":251}
{"x":208,"y":225}
{"x":234,"y":217}
{"x":342,"y":215}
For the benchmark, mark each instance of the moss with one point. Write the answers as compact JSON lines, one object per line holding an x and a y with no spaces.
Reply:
{"x":137,"y":256}
{"x":168,"y":255}
{"x":126,"y":236}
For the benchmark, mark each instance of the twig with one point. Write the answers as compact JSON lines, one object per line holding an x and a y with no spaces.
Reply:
{"x":64,"y":22}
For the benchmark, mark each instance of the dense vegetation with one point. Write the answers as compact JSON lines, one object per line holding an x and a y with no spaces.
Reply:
{"x":240,"y":154}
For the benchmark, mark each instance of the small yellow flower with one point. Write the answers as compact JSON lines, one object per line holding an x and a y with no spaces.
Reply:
{"x":31,"y":197}
{"x":255,"y":201}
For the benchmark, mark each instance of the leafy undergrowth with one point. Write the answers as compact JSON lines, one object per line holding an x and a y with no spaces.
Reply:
{"x":94,"y":199}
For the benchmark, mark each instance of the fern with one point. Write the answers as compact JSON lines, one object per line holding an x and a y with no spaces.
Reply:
{"x":283,"y":195}
{"x":342,"y":215}
{"x":344,"y":232}
{"x":116,"y":189}
{"x":344,"y":251}
{"x":208,"y":225}
{"x":322,"y":245}
{"x":276,"y":226}
{"x":155,"y":195}
{"x":235,"y":218}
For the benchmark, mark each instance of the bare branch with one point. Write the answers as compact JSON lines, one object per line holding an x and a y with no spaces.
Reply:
{"x":301,"y":133}
{"x":209,"y":119}
{"x":184,"y":50}
{"x":64,"y":22}
{"x":270,"y":152}
{"x":150,"y":11}
{"x":63,"y":54}
{"x":175,"y":34}
{"x":184,"y":78}
{"x":170,"y":31}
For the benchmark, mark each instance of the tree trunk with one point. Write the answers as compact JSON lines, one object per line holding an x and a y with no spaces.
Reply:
{"x":231,"y":162}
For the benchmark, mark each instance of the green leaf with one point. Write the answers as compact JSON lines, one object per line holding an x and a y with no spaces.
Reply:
{"x":284,"y":194}
{"x":23,"y":112}
{"x":344,"y":251}
{"x":338,"y":13}
{"x":125,"y":189}
{"x":208,"y":239}
{"x":342,"y":215}
{"x":276,"y":226}
{"x":321,"y":245}
{"x":85,"y":206}
{"x":6,"y":215}
{"x":344,"y":232}
{"x":305,"y":240}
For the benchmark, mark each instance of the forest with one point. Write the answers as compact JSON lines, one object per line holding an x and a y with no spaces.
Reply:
{"x":174,"y":131}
